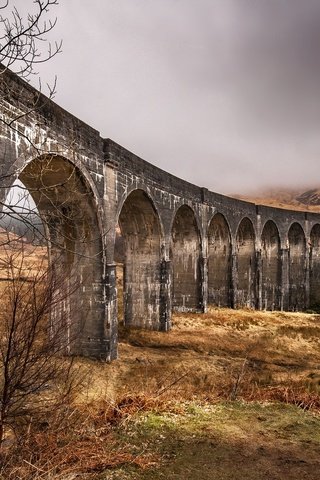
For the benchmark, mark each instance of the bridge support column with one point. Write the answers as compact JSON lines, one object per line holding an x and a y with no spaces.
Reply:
{"x":284,"y":302}
{"x":234,"y":280}
{"x":307,"y":288}
{"x":165,"y":295}
{"x":203,"y":297}
{"x":110,"y":333}
{"x":258,"y":286}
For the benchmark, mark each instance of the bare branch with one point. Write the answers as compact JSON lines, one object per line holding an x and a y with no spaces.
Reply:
{"x":30,"y":347}
{"x":21,"y":39}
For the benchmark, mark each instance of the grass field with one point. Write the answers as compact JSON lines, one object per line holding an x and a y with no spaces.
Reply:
{"x":226,"y":395}
{"x":19,"y":258}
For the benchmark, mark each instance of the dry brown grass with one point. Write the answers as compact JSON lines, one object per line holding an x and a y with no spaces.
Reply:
{"x":19,"y":258}
{"x":204,"y":360}
{"x":278,"y":203}
{"x":156,"y":373}
{"x":267,"y":349}
{"x":280,"y":198}
{"x":76,"y":439}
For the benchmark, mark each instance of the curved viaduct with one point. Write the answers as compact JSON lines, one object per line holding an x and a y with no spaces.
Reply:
{"x":185,"y":247}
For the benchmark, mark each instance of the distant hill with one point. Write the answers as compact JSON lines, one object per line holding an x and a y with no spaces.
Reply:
{"x":294,"y":199}
{"x":310,"y":197}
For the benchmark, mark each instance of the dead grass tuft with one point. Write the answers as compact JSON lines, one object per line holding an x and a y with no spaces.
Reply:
{"x":308,"y":332}
{"x":80,"y":439}
{"x":290,"y":395}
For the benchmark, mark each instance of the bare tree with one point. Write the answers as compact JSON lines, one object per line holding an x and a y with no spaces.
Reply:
{"x":32,"y":340}
{"x":22,"y":38}
{"x":35,"y":327}
{"x":24,"y":45}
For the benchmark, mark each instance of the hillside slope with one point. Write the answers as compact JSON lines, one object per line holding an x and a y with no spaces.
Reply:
{"x":292,"y":199}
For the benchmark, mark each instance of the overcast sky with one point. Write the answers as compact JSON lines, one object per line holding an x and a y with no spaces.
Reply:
{"x":223,"y":93}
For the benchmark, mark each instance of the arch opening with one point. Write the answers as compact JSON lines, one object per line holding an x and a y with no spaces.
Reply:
{"x":219,"y":262}
{"x":315,"y":268}
{"x":69,"y":212}
{"x":245,"y":292}
{"x":297,"y":268}
{"x":140,"y":229}
{"x":19,"y":215}
{"x":185,"y":257}
{"x":270,"y":267}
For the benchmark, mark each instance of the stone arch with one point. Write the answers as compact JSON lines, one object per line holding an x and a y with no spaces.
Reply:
{"x":270,"y":267}
{"x":219,"y":262}
{"x":21,"y":163}
{"x":245,"y":294}
{"x":315,"y":267}
{"x":70,"y":211}
{"x":140,"y":228}
{"x":297,"y":267}
{"x":185,"y":257}
{"x":147,"y":194}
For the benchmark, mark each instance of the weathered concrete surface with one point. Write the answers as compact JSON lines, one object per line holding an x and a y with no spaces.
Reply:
{"x":184,"y":246}
{"x":270,"y":268}
{"x":219,"y":262}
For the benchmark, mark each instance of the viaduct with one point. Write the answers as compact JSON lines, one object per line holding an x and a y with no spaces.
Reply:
{"x":185,"y":247}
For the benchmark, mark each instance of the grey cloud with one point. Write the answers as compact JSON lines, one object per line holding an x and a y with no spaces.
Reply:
{"x":215,"y":91}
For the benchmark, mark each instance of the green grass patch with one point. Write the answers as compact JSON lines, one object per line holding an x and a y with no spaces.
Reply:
{"x":227,"y":441}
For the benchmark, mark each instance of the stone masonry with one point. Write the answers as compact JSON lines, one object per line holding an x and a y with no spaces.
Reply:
{"x":185,"y":247}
